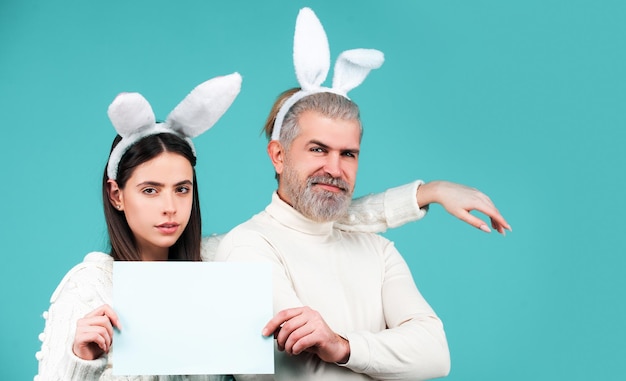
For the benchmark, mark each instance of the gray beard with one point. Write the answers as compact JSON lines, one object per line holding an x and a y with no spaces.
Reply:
{"x":317,"y":204}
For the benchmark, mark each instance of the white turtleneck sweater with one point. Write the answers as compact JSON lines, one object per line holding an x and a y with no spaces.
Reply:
{"x":360,"y":285}
{"x":88,"y":285}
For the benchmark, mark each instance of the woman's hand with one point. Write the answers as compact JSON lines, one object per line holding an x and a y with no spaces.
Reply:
{"x":94,"y":333}
{"x":459,"y":200}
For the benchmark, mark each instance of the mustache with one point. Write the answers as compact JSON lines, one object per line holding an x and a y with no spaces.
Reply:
{"x":329,"y":180}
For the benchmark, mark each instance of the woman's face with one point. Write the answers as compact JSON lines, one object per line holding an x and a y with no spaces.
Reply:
{"x":157,"y":201}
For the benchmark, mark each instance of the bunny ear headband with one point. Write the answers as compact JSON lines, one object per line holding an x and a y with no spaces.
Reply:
{"x":311,"y":58}
{"x":134,"y":119}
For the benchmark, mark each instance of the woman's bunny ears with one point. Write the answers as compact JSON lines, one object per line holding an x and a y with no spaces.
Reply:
{"x":311,"y":58}
{"x":134,"y":119}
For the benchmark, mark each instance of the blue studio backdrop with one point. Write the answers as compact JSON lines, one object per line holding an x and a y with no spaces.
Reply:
{"x":524,"y":100}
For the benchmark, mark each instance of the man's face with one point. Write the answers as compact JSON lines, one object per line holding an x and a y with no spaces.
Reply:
{"x":320,"y":167}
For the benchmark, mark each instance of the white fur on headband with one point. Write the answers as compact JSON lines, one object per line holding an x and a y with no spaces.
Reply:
{"x":311,"y":58}
{"x":134,"y":119}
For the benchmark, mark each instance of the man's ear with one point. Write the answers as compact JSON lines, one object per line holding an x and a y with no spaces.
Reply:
{"x":277,"y":155}
{"x":116,"y":197}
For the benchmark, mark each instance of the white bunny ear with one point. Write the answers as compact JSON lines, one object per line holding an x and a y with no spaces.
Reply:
{"x":353,"y":66}
{"x":311,"y":54}
{"x":129,"y":113}
{"x":311,"y":57}
{"x":133,"y":118}
{"x":204,"y":105}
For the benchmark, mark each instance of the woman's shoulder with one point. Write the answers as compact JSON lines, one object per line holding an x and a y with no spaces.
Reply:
{"x":209,"y":246}
{"x":96,"y":267}
{"x":97,"y":258}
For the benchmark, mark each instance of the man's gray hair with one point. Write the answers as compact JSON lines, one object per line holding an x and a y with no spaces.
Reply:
{"x":328,"y":104}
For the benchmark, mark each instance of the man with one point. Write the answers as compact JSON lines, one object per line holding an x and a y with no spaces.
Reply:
{"x":346,"y":304}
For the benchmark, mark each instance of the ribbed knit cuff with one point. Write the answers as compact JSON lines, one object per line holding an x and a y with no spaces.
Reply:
{"x":79,"y":369}
{"x":359,"y":360}
{"x":401,"y":205}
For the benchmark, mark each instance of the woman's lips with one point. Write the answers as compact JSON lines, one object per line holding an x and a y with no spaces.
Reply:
{"x":168,"y":227}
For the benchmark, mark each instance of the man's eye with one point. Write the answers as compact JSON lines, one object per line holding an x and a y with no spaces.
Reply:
{"x":317,"y":149}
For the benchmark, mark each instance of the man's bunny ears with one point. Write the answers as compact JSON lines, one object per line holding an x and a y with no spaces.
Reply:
{"x":311,"y":58}
{"x":134,"y":119}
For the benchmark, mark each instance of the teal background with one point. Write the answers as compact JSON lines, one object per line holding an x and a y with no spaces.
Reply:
{"x":524,"y":100}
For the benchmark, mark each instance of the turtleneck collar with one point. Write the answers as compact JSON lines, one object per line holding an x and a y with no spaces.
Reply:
{"x":291,"y":218}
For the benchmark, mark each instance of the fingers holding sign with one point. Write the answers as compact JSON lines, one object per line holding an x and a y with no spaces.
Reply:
{"x":94,"y":333}
{"x":301,"y":329}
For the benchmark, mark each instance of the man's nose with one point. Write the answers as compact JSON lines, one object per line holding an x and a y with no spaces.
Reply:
{"x":332,"y":165}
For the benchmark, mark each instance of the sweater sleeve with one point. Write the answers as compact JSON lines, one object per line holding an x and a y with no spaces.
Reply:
{"x":209,"y":246}
{"x":414,"y":346}
{"x":378,"y":212}
{"x":69,"y":303}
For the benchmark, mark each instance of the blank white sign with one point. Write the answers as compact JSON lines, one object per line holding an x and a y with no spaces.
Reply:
{"x":184,"y":318}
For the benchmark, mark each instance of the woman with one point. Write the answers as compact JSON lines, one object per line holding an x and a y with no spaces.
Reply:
{"x":152,"y":211}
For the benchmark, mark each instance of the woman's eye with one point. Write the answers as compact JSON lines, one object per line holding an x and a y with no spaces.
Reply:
{"x":149,"y":191}
{"x":183,"y":190}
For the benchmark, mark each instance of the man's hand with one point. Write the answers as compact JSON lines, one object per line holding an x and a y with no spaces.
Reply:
{"x":459,"y":200}
{"x":301,"y":329}
{"x":94,"y":333}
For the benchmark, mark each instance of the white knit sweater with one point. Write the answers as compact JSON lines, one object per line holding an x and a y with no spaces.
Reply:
{"x":88,"y":286}
{"x":84,"y":288}
{"x":359,"y":284}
